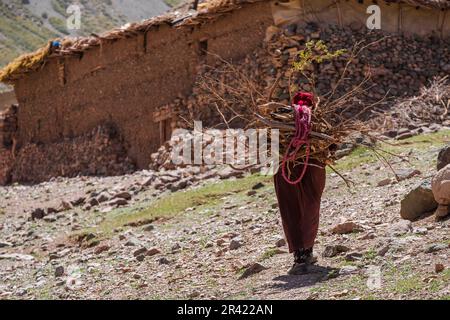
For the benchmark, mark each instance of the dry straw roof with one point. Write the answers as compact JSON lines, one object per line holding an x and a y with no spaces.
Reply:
{"x":207,"y":11}
{"x":435,"y":4}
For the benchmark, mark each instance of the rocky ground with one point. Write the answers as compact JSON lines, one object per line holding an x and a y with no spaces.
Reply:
{"x":219,"y":236}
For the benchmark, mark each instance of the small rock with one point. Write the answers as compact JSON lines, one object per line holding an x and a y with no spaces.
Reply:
{"x":103,"y":197}
{"x":353,"y":256}
{"x":123,"y":195}
{"x":257,"y":186}
{"x":439,"y":267}
{"x":235,"y":244}
{"x":118,"y":202}
{"x":175,"y":247}
{"x":131,"y":243}
{"x":52,"y":210}
{"x":37,"y":214}
{"x":341,"y":294}
{"x":4,"y":244}
{"x":137,"y":276}
{"x":420,"y":231}
{"x":49,"y":218}
{"x":194,"y":295}
{"x":251,"y":193}
{"x":405,"y":135}
{"x":253,"y":269}
{"x":333,"y":250}
{"x":153,"y":251}
{"x":101,"y":249}
{"x":164,"y":261}
{"x":400,"y":228}
{"x":65,"y":206}
{"x":443,"y":157}
{"x":382,"y":252}
{"x":435,"y":247}
{"x":280,"y":242}
{"x":404,"y":174}
{"x":78,"y":202}
{"x":384,"y":182}
{"x":229,"y":172}
{"x":16,"y":256}
{"x":348,"y":270}
{"x":140,"y":258}
{"x":59,"y":271}
{"x":93,"y":202}
{"x":179,"y":185}
{"x":147,"y":182}
{"x":346,"y":227}
{"x":138,"y":252}
{"x":149,"y":228}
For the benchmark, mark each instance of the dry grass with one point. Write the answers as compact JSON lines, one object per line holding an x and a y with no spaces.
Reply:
{"x":24,"y":63}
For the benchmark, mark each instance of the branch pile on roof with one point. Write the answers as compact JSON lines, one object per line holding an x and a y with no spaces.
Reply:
{"x":207,"y":11}
{"x":430,"y":106}
{"x":72,"y":46}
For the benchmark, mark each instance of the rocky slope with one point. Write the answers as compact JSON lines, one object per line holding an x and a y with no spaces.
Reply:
{"x":125,"y":237}
{"x":26,"y":25}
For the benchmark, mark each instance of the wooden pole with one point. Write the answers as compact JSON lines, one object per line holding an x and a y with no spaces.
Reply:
{"x":195,"y":5}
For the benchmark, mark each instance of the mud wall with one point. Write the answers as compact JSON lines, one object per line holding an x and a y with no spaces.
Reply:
{"x":7,"y":99}
{"x":126,"y":81}
{"x":8,"y":128}
{"x":395,"y":17}
{"x":130,"y":83}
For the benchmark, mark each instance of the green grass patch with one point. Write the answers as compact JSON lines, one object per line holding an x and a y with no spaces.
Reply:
{"x":269,"y":253}
{"x":370,"y":255}
{"x":58,"y":24}
{"x":173,"y":3}
{"x":200,"y":198}
{"x":408,"y":284}
{"x":362,"y":155}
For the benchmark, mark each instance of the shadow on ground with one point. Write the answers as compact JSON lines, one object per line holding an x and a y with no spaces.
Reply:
{"x":314,"y":275}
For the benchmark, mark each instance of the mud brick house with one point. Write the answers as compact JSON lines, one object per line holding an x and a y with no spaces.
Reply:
{"x":7,"y":99}
{"x":125,"y":78}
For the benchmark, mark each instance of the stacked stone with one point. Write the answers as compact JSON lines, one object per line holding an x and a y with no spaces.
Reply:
{"x":8,"y":126}
{"x":98,"y":153}
{"x":399,"y":66}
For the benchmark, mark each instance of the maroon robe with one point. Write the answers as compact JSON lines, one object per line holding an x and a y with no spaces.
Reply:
{"x":300,"y":205}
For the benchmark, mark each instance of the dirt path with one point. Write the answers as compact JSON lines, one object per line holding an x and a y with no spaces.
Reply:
{"x":202,"y":251}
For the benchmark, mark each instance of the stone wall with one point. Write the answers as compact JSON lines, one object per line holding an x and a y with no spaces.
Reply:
{"x":7,"y":99}
{"x":126,"y":81}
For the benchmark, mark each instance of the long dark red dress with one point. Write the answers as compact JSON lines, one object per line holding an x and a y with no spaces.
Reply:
{"x":300,"y":205}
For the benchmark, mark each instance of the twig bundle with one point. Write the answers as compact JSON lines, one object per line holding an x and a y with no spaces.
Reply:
{"x":330,"y":126}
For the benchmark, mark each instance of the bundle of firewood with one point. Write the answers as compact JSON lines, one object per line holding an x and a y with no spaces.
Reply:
{"x":329,"y":123}
{"x":327,"y":131}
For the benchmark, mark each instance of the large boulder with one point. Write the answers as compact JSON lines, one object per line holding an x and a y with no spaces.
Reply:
{"x":420,"y":200}
{"x":441,"y":190}
{"x":441,"y":186}
{"x":443,"y":157}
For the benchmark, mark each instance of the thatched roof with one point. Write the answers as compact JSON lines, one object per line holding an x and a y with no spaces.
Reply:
{"x":207,"y":11}
{"x":432,"y":4}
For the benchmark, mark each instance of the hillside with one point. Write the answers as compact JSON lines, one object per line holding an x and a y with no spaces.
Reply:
{"x":198,"y":243}
{"x":25,"y":25}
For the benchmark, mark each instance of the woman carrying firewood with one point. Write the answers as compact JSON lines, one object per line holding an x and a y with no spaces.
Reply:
{"x":299,"y":188}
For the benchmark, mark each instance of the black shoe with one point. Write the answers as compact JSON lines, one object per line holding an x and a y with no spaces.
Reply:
{"x":303,"y":259}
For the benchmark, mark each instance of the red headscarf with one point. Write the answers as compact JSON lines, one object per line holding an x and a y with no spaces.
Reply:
{"x":304,"y":99}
